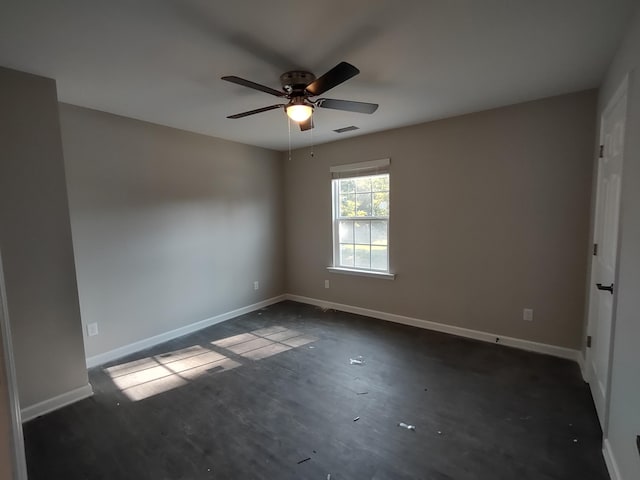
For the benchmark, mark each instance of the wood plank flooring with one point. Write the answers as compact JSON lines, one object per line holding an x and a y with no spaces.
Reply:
{"x":273,"y":395}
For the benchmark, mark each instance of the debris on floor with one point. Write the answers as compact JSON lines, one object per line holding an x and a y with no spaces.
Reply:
{"x":439,"y":432}
{"x":361,"y":393}
{"x":304,"y":460}
{"x":575,"y":440}
{"x":407,"y":426}
{"x":356,"y":419}
{"x":357,"y":361}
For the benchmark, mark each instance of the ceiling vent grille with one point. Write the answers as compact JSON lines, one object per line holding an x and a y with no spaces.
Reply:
{"x":347,"y":129}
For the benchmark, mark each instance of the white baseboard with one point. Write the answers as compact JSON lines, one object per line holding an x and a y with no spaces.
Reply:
{"x":51,"y":404}
{"x":610,"y":460}
{"x":134,"y":347}
{"x":554,"y":350}
{"x":582,"y":365}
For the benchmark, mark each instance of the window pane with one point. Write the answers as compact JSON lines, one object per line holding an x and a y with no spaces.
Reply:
{"x":347,"y":205}
{"x":348,"y":186}
{"x":346,"y":255}
{"x":360,"y":241}
{"x":363,"y":184}
{"x":362,"y":232}
{"x":379,"y":258}
{"x":380,"y":183}
{"x":363,"y":256}
{"x":346,"y":231}
{"x":379,"y":232}
{"x":381,"y":204}
{"x":363,"y":204}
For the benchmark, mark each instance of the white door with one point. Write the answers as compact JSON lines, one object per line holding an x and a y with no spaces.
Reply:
{"x":603,"y":271}
{"x":12,"y":453}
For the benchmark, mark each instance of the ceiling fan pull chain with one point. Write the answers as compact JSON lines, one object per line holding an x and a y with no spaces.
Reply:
{"x":289,"y":123}
{"x":313,"y":143}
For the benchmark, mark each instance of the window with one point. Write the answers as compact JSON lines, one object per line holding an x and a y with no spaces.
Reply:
{"x":361,"y":216}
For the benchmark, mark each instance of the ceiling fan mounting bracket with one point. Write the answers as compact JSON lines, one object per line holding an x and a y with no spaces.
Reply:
{"x":296,"y":80}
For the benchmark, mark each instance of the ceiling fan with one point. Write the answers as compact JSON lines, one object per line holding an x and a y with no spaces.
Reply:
{"x":298,"y":86}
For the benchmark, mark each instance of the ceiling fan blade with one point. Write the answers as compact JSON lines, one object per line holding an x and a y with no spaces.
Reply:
{"x":307,"y":124}
{"x":254,"y":85}
{"x":348,"y":105}
{"x":253,"y":112}
{"x":338,"y":74}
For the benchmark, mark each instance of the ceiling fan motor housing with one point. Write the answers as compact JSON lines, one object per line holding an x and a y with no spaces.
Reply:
{"x":294,"y":82}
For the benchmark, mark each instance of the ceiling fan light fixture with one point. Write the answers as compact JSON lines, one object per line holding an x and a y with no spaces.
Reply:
{"x":298,"y":111}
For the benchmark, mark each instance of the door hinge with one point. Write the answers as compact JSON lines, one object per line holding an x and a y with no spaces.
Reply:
{"x":601,"y":154}
{"x":595,"y":249}
{"x":589,"y":341}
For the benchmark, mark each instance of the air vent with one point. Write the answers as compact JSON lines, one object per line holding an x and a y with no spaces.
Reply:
{"x":346,"y":129}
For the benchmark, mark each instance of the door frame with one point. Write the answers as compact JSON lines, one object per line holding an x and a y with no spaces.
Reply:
{"x":17,"y":443}
{"x":592,"y":318}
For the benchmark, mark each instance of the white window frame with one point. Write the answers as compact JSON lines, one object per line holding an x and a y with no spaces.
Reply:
{"x":352,"y":170}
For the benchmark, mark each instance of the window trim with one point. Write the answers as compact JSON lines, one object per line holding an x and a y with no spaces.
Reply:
{"x":360,"y":169}
{"x":352,"y":170}
{"x":363,"y":273}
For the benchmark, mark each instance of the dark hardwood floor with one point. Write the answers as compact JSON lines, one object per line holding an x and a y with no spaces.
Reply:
{"x":273,"y":395}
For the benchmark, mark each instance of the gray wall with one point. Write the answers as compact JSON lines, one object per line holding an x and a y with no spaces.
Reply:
{"x":624,"y":413}
{"x":489,"y":214}
{"x":35,"y":240}
{"x":169,"y":227}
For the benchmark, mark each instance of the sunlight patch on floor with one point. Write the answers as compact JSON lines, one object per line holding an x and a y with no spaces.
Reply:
{"x":147,"y":377}
{"x":150,"y":376}
{"x":264,"y":342}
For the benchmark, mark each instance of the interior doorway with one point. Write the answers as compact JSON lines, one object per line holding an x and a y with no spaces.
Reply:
{"x":12,"y":456}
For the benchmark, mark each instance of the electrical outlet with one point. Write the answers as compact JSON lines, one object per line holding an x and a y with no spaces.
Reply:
{"x":527,"y":314}
{"x":326,"y":284}
{"x":256,"y":285}
{"x":92,"y":329}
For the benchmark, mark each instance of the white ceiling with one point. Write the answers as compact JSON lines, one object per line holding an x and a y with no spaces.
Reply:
{"x":161,"y":60}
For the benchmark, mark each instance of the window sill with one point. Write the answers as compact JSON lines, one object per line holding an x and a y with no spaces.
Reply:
{"x":363,"y":273}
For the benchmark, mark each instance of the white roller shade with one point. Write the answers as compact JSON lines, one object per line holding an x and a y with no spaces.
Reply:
{"x":360,"y":169}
